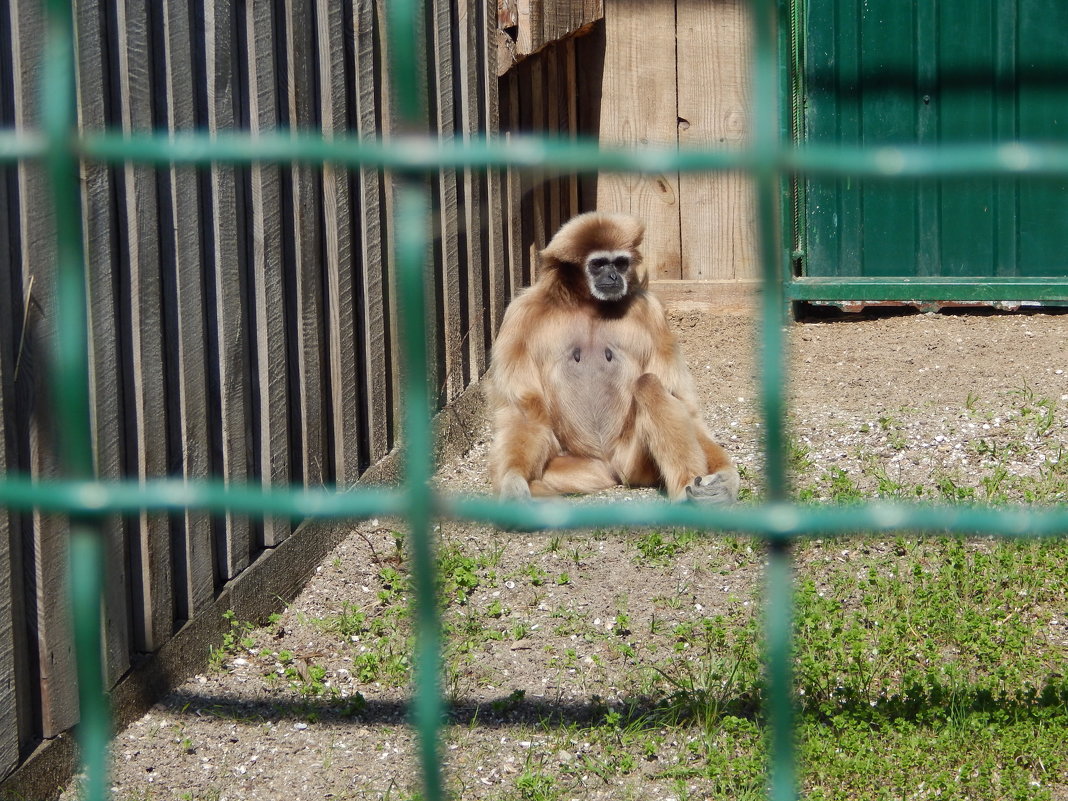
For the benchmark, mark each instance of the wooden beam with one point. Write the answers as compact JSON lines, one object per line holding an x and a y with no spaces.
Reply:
{"x":719,"y":297}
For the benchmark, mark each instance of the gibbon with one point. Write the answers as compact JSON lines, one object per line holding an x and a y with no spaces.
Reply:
{"x":587,"y":387}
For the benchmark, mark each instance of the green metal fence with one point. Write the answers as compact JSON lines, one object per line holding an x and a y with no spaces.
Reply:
{"x":769,"y":159}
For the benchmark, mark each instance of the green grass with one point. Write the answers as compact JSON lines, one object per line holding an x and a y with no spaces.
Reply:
{"x":925,"y":666}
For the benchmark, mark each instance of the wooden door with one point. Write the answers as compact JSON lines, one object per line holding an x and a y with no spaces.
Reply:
{"x":676,"y":75}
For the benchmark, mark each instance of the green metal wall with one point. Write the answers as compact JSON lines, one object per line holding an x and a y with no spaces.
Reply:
{"x":886,"y":73}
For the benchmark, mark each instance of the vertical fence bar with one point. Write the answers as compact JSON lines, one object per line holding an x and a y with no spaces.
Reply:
{"x":412,"y":243}
{"x":767,"y":17}
{"x":72,"y":384}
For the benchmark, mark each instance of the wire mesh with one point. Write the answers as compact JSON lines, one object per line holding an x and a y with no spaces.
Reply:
{"x":769,"y":157}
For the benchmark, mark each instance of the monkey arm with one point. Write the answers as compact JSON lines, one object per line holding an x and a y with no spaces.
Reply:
{"x":524,"y":440}
{"x":665,"y":360}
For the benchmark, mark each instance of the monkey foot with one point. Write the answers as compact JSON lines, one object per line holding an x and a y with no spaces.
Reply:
{"x":720,"y":487}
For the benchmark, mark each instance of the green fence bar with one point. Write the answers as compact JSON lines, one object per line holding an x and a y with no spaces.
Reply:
{"x":418,"y":154}
{"x":405,"y":23}
{"x":412,"y":154}
{"x":767,"y":520}
{"x":412,"y":243}
{"x":72,"y":388}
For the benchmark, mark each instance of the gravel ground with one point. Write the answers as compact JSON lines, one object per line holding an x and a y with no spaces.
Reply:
{"x":302,"y":710}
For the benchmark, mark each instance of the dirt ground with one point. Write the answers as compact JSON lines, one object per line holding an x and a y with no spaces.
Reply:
{"x":901,"y":395}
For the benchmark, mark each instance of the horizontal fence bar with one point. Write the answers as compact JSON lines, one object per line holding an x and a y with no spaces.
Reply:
{"x":164,"y":495}
{"x":424,"y":153}
{"x":769,"y":520}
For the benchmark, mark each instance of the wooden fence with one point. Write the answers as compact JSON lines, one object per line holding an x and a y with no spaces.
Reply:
{"x":242,"y":324}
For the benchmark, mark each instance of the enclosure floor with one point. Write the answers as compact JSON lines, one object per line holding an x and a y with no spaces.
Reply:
{"x":558,"y":627}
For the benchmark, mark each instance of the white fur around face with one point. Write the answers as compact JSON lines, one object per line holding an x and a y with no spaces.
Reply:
{"x":610,"y":256}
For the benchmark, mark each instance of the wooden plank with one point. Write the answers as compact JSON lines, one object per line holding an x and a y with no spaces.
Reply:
{"x":303,"y":231}
{"x":264,"y":253}
{"x":443,"y":125}
{"x":499,"y":287}
{"x":472,"y":69}
{"x":338,"y":249}
{"x":226,"y":323}
{"x":44,"y":537}
{"x":717,"y":210}
{"x":558,"y":21}
{"x":639,"y":63}
{"x":570,"y":124}
{"x":372,"y":326}
{"x":513,"y":224}
{"x":183,"y":289}
{"x":526,"y":27}
{"x":553,"y":94}
{"x":387,"y":125}
{"x":721,"y":297}
{"x":142,"y":316}
{"x":23,"y":686}
{"x":589,"y":63}
{"x":529,"y":37}
{"x":537,"y":109}
{"x":98,"y":229}
{"x":9,"y":710}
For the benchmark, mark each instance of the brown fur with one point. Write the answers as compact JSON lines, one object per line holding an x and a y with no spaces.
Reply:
{"x":587,"y":394}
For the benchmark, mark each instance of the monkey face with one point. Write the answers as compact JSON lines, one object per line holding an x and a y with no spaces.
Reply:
{"x":607,"y":272}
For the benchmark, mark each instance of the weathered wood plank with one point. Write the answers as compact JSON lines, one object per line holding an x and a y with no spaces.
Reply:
{"x":388,"y":124}
{"x":23,"y":685}
{"x":513,"y":189}
{"x":142,"y":317}
{"x":571,"y":79}
{"x":717,"y":210}
{"x":554,"y":93}
{"x":341,"y":348}
{"x":639,"y":63}
{"x":526,"y":27}
{"x":304,"y":232}
{"x":447,"y":234}
{"x":264,"y":254}
{"x":529,"y":36}
{"x":721,"y":297}
{"x":472,"y":69}
{"x":9,"y":709}
{"x":372,"y":285}
{"x":538,"y":195}
{"x":44,"y":537}
{"x":226,"y":321}
{"x":99,"y":228}
{"x":183,"y":293}
{"x":499,"y":286}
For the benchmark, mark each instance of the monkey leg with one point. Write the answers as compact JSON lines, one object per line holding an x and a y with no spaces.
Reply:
{"x":669,"y":434}
{"x":568,"y":474}
{"x":522,"y":448}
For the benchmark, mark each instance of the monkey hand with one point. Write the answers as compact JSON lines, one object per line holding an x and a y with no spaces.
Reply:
{"x":719,"y":487}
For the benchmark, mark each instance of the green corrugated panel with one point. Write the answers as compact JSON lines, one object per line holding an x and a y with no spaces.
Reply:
{"x":935,"y":73}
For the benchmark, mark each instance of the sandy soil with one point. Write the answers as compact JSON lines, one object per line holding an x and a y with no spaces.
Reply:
{"x":905,"y":392}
